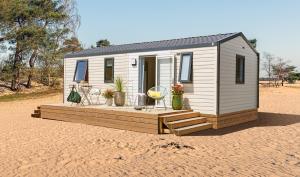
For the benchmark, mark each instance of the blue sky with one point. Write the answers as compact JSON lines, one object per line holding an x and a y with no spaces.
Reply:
{"x":274,"y":23}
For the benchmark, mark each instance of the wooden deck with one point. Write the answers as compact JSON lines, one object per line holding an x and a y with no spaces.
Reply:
{"x":154,"y":121}
{"x":125,"y":118}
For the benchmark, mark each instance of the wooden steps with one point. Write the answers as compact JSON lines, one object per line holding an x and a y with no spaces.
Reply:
{"x":36,"y":113}
{"x":184,"y":123}
{"x":180,"y":116}
{"x":192,"y":129}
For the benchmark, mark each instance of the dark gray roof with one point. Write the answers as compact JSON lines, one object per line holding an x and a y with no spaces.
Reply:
{"x":183,"y":43}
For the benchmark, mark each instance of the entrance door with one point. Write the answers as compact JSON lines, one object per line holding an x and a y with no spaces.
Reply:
{"x":147,"y":78}
{"x":165,"y":76}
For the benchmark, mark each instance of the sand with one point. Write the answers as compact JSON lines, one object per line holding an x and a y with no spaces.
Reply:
{"x":267,"y":147}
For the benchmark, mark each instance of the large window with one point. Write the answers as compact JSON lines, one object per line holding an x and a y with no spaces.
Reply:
{"x":109,"y":70}
{"x":81,"y":71}
{"x":240,"y":70}
{"x":186,"y":68}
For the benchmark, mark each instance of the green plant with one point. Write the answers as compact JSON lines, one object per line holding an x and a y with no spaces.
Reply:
{"x":119,"y":86}
{"x":108,"y":93}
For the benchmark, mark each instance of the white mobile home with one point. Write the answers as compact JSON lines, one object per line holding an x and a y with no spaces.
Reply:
{"x":219,"y":72}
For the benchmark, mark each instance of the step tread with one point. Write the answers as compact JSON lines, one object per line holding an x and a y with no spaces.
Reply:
{"x":37,"y":111}
{"x":186,"y":120}
{"x":36,"y":115}
{"x":192,"y":128}
{"x":179,"y":114}
{"x":174,"y":113}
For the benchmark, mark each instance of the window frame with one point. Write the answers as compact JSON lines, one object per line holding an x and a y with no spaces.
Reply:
{"x":86,"y":78}
{"x":113,"y":70}
{"x":237,"y":64}
{"x":190,"y":74}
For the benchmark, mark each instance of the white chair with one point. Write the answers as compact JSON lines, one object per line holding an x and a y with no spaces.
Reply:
{"x":95,"y":93}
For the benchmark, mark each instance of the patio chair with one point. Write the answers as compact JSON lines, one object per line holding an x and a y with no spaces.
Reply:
{"x":95,"y":92}
{"x":158,"y":94}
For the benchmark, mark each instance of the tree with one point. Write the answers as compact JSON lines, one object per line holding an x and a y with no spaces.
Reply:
{"x":253,"y":42}
{"x":282,"y":70}
{"x":292,"y":77}
{"x":102,"y":43}
{"x":26,"y":24}
{"x":72,"y":45}
{"x":267,"y":66}
{"x":59,"y":19}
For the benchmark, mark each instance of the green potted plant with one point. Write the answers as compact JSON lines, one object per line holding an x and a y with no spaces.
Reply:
{"x":108,"y":94}
{"x":119,"y":95}
{"x":177,"y":100}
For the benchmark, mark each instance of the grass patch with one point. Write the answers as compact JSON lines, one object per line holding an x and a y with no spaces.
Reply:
{"x":23,"y":96}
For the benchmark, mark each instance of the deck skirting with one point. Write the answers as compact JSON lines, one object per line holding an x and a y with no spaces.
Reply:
{"x":147,"y":123}
{"x":154,"y":122}
{"x":230,"y":119}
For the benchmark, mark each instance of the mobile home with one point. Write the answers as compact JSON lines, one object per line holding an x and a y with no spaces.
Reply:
{"x":219,"y":73}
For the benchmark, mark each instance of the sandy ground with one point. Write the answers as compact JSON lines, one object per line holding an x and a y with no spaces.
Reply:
{"x":267,"y":147}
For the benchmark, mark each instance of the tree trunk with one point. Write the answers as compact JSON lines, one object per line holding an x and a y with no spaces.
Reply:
{"x":49,"y":82}
{"x":282,"y":82}
{"x":31,"y":65}
{"x":16,"y":70}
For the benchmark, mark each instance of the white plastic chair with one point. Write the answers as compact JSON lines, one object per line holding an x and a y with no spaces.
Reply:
{"x":97,"y":93}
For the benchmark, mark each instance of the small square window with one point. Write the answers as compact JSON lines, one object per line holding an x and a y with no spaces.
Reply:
{"x":240,"y":69}
{"x":81,"y":71}
{"x":109,"y":70}
{"x":186,"y":68}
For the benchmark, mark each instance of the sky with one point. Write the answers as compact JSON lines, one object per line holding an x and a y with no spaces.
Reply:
{"x":274,"y":23}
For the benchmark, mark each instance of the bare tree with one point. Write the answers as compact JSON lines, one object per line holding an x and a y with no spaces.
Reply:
{"x":282,"y":70}
{"x":267,"y":65}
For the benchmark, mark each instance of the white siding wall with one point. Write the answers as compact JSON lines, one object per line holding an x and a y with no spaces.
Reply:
{"x":96,"y":71}
{"x":236,"y":97}
{"x":200,"y":95}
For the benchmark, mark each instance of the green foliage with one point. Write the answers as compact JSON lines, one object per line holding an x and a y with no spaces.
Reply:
{"x":35,"y":30}
{"x":119,"y":85}
{"x":72,"y":45}
{"x":293,"y":77}
{"x":102,"y":43}
{"x":6,"y":68}
{"x":253,"y":42}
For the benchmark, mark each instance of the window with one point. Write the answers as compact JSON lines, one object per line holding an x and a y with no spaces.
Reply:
{"x":186,"y":68}
{"x":109,"y":70}
{"x":81,"y":71}
{"x":240,"y":70}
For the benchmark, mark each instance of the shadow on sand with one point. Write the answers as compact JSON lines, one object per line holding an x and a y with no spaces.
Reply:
{"x":265,"y":119}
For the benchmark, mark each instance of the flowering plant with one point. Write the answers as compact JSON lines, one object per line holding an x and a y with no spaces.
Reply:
{"x":108,"y":93}
{"x":177,"y":89}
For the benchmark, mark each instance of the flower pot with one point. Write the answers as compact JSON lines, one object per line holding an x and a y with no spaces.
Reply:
{"x":109,"y":102}
{"x":119,"y":98}
{"x":177,"y":102}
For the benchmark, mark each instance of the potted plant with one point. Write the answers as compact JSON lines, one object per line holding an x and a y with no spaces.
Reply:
{"x":177,"y":92}
{"x":119,"y":97}
{"x":108,"y":94}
